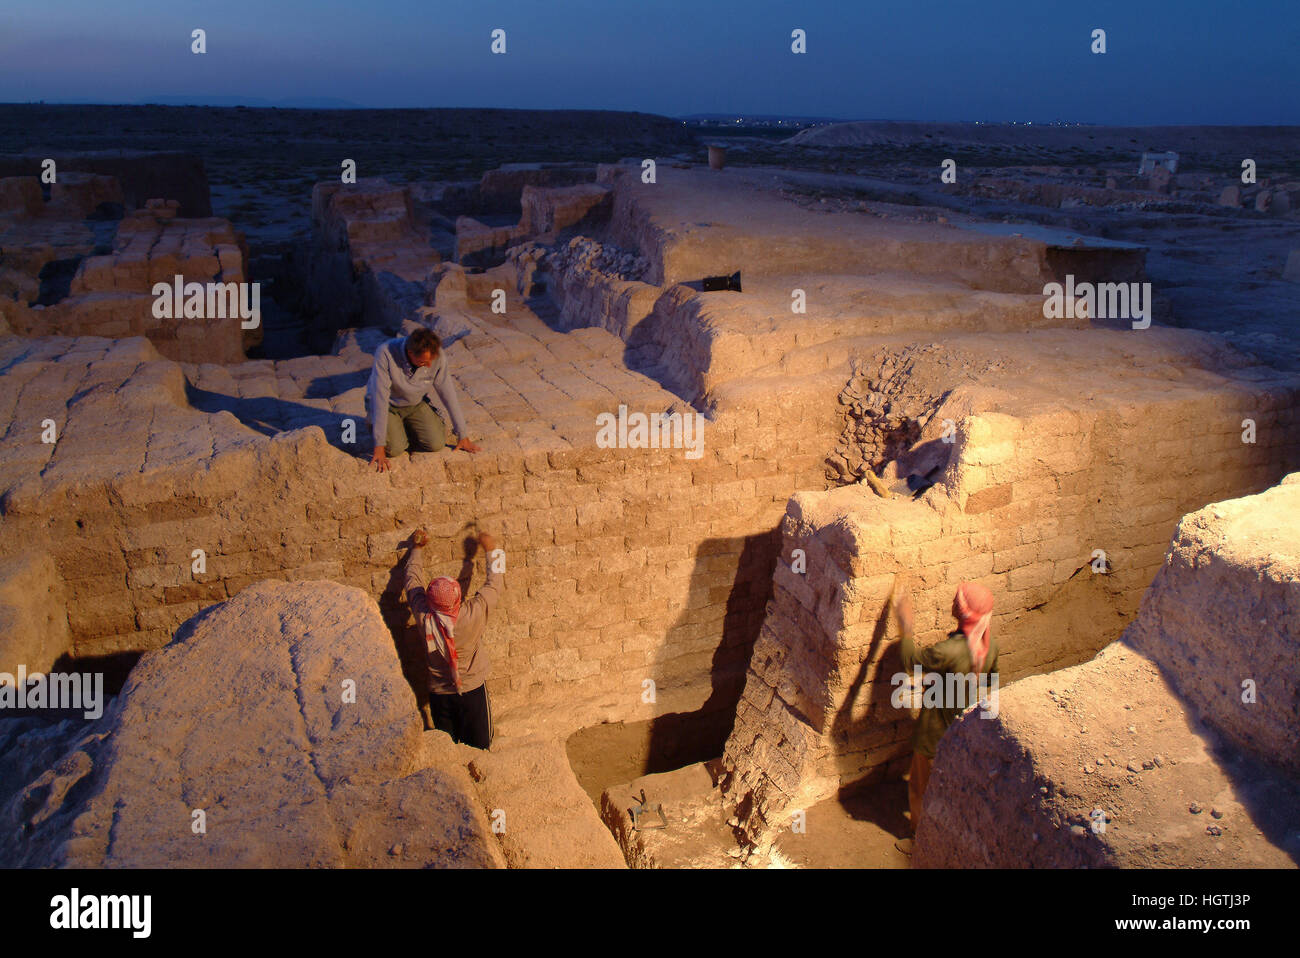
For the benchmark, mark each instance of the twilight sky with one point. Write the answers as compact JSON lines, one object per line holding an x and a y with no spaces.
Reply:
{"x":1168,"y":61}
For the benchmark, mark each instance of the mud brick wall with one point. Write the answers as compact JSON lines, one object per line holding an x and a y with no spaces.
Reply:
{"x":661,"y":326}
{"x":473,"y":237}
{"x":622,"y":565}
{"x":1166,"y":698}
{"x":501,"y":190}
{"x":694,"y":342}
{"x":143,"y":176}
{"x":660,"y":227}
{"x":587,"y":295}
{"x":1022,"y":505}
{"x":33,"y":619}
{"x":371,"y":222}
{"x":112,"y":295}
{"x":545,"y":212}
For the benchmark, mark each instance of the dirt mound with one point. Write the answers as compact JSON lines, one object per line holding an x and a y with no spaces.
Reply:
{"x":547,"y":820}
{"x":1163,"y":750}
{"x":1100,"y":765}
{"x":283,"y":718}
{"x":1227,"y":604}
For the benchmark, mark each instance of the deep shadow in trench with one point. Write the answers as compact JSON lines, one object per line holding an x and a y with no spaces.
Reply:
{"x":612,"y":754}
{"x":862,"y":799}
{"x":116,"y":667}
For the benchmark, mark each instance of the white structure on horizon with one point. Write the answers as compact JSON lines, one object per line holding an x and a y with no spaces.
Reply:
{"x":1151,"y":160}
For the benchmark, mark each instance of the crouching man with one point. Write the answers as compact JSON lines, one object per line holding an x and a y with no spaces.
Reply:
{"x":401,"y":414}
{"x":453,"y":635}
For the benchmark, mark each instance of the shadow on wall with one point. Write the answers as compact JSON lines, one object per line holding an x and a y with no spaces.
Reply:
{"x":645,"y":347}
{"x":401,"y":624}
{"x":271,"y":415}
{"x":742,"y":569}
{"x":1084,"y":615}
{"x":1078,"y":620}
{"x":327,"y":387}
{"x":115,"y":667}
{"x":888,"y":661}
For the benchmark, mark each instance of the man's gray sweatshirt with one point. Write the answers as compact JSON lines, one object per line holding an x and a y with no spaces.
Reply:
{"x":395,"y":382}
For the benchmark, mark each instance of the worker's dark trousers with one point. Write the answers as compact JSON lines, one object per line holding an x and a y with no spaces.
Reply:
{"x":466,"y":717}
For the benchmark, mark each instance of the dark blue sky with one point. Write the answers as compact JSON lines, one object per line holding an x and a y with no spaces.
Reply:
{"x":1167,"y":62}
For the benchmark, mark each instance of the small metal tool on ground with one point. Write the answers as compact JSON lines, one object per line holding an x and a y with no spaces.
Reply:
{"x":644,"y":809}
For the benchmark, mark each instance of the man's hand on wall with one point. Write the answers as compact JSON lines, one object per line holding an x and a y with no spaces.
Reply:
{"x":467,"y":445}
{"x":487,"y":542}
{"x":420,"y":538}
{"x":380,"y":459}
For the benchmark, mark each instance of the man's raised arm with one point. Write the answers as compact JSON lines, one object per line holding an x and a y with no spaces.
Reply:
{"x":495,"y":580}
{"x":413,"y":580}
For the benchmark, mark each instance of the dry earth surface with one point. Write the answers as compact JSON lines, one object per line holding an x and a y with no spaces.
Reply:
{"x":1009,"y":444}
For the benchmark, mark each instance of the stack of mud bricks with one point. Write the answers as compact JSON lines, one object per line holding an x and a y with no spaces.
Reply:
{"x":583,"y":291}
{"x":372,"y":223}
{"x":1034,"y":497}
{"x":545,"y":212}
{"x":622,"y":564}
{"x":112,"y":295}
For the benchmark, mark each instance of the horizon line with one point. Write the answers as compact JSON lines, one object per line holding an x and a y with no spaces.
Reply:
{"x":668,"y":116}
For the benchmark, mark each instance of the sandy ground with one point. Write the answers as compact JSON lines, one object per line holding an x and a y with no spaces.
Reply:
{"x":1219,"y":271}
{"x":854,"y":830}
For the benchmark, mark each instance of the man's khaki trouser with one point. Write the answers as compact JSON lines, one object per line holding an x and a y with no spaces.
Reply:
{"x":425,"y":427}
{"x":917,"y":781}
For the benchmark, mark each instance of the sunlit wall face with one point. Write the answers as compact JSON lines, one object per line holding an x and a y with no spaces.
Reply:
{"x":997,"y":60}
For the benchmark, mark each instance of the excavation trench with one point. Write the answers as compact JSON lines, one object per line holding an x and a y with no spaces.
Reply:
{"x":1033,"y":501}
{"x":677,"y":762}
{"x":609,"y":755}
{"x":838,"y":683}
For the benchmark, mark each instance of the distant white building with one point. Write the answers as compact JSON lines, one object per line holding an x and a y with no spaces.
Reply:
{"x":1151,"y":160}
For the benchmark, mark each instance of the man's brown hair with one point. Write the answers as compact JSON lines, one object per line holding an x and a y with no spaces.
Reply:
{"x":423,"y":341}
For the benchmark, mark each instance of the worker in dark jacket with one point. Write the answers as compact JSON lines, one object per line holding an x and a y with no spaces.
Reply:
{"x":453,"y":637}
{"x":967,"y":657}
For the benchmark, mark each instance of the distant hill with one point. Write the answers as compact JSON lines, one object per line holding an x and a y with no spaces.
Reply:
{"x":291,"y":103}
{"x":239,"y":144}
{"x":1183,"y":139}
{"x":763,"y":117}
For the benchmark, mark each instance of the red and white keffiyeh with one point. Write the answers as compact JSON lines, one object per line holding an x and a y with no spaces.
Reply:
{"x":443,"y":594}
{"x":973,"y":609}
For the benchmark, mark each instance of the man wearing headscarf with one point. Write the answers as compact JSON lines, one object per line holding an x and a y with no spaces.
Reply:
{"x":969,"y":651}
{"x":453,"y":635}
